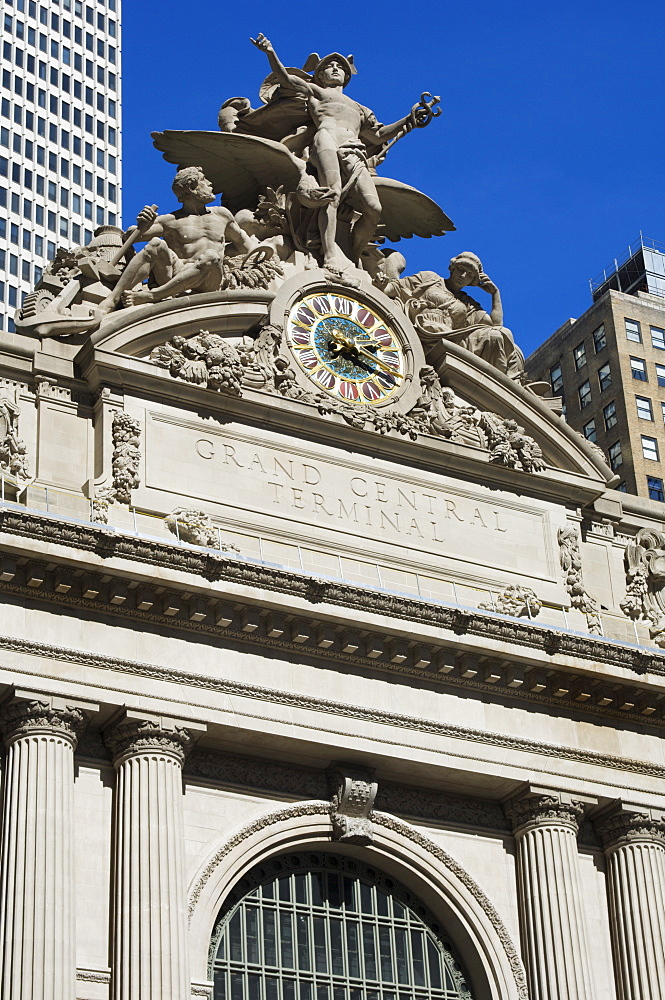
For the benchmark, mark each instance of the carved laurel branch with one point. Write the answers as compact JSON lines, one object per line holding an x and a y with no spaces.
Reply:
{"x":262,"y":823}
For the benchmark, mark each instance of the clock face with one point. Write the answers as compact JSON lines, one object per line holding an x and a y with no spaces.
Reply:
{"x":345,"y":347}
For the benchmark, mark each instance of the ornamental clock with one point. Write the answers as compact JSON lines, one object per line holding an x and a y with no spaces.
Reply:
{"x":348,"y":348}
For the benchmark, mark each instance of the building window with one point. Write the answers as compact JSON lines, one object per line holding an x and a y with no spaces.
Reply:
{"x":650,"y":448}
{"x":614,"y":452}
{"x":610,"y":415}
{"x":644,"y":410}
{"x":660,"y":375}
{"x":584,"y":392}
{"x":639,"y":369}
{"x":658,"y":338}
{"x":590,"y":430}
{"x":556,"y":378}
{"x":633,"y":331}
{"x":322,"y":925}
{"x":579,"y":356}
{"x":655,"y":487}
{"x":621,"y":488}
{"x":604,"y":377}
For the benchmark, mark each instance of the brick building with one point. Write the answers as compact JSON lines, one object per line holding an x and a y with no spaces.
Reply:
{"x":609,"y":368}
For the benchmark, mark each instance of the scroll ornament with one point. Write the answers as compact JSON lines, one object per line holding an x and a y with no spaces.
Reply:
{"x":353,"y":793}
{"x":516,"y":601}
{"x":196,"y":528}
{"x":644,"y":562}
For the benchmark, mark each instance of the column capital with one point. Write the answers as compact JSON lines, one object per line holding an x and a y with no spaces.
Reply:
{"x":537,"y":806}
{"x":30,"y":713}
{"x":134,"y":733}
{"x":625,"y":823}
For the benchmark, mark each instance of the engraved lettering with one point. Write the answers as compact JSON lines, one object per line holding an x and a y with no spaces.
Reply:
{"x":434,"y":534}
{"x":278,"y":467}
{"x":381,"y":492}
{"x":369,"y":515}
{"x":429,"y":497}
{"x":307,"y":469}
{"x":346,"y":514}
{"x":497,"y":526}
{"x":358,"y":490}
{"x":414,"y":527}
{"x":386,"y":518}
{"x":319,"y":502}
{"x":256,"y":463}
{"x":205,"y":448}
{"x":477,"y":516}
{"x":278,"y":490}
{"x":450,"y":510}
{"x":297,"y":499}
{"x":401,"y":495}
{"x":230,"y":453}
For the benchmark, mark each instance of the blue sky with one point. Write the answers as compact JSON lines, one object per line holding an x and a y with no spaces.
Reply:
{"x":549,"y":155}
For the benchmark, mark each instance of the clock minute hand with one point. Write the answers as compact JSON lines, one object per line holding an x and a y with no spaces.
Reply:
{"x":381,"y":364}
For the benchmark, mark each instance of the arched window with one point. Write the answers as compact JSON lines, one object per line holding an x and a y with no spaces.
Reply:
{"x":324,"y":927}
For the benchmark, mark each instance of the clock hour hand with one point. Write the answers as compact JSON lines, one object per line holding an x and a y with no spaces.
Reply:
{"x":380,"y":364}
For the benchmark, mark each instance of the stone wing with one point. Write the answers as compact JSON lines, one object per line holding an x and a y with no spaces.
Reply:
{"x":240,"y":166}
{"x":406,"y":212}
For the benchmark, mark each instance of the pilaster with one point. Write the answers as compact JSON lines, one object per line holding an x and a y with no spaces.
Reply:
{"x":634,"y":841}
{"x":37,"y":931}
{"x":554,"y":937}
{"x":150,"y":959}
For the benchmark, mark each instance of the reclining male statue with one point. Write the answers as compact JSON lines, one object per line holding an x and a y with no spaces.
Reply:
{"x":185,"y":249}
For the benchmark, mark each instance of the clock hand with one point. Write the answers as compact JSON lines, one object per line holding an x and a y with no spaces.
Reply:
{"x":381,"y":364}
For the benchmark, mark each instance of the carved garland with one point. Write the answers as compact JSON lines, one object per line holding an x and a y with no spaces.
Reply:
{"x":571,"y":564}
{"x":209,"y":360}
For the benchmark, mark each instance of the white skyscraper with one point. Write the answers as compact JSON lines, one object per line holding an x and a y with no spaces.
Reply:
{"x":60,"y":134}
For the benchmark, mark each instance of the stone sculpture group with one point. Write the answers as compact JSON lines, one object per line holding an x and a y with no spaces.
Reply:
{"x":300,"y":190}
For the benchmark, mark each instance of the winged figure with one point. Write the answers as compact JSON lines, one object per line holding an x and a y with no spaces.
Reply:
{"x":319,"y":147}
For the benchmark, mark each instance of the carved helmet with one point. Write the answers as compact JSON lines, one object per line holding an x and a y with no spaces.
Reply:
{"x":469,"y":260}
{"x":315,"y":64}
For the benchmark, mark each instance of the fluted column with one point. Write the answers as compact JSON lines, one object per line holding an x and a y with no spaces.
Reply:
{"x":150,"y":947}
{"x":37,"y":932}
{"x":634,"y":841}
{"x":554,"y":935}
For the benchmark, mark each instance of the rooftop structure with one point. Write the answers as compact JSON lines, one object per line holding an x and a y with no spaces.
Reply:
{"x":60,"y":134}
{"x":640,"y":268}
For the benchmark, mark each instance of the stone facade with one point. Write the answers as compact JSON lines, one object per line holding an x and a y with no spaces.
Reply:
{"x":289,"y":580}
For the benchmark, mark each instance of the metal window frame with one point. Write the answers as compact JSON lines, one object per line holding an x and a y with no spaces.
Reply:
{"x":289,"y":933}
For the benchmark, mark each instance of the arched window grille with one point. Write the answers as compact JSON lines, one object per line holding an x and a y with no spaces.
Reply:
{"x":324,"y":927}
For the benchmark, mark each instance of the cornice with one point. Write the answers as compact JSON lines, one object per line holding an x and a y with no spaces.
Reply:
{"x":219,"y":567}
{"x":422,"y":659}
{"x":329,"y":708}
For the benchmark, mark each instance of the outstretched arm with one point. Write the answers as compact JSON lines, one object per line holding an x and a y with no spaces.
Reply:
{"x":278,"y":67}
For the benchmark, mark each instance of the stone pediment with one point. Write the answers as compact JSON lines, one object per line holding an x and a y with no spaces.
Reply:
{"x":180,"y":348}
